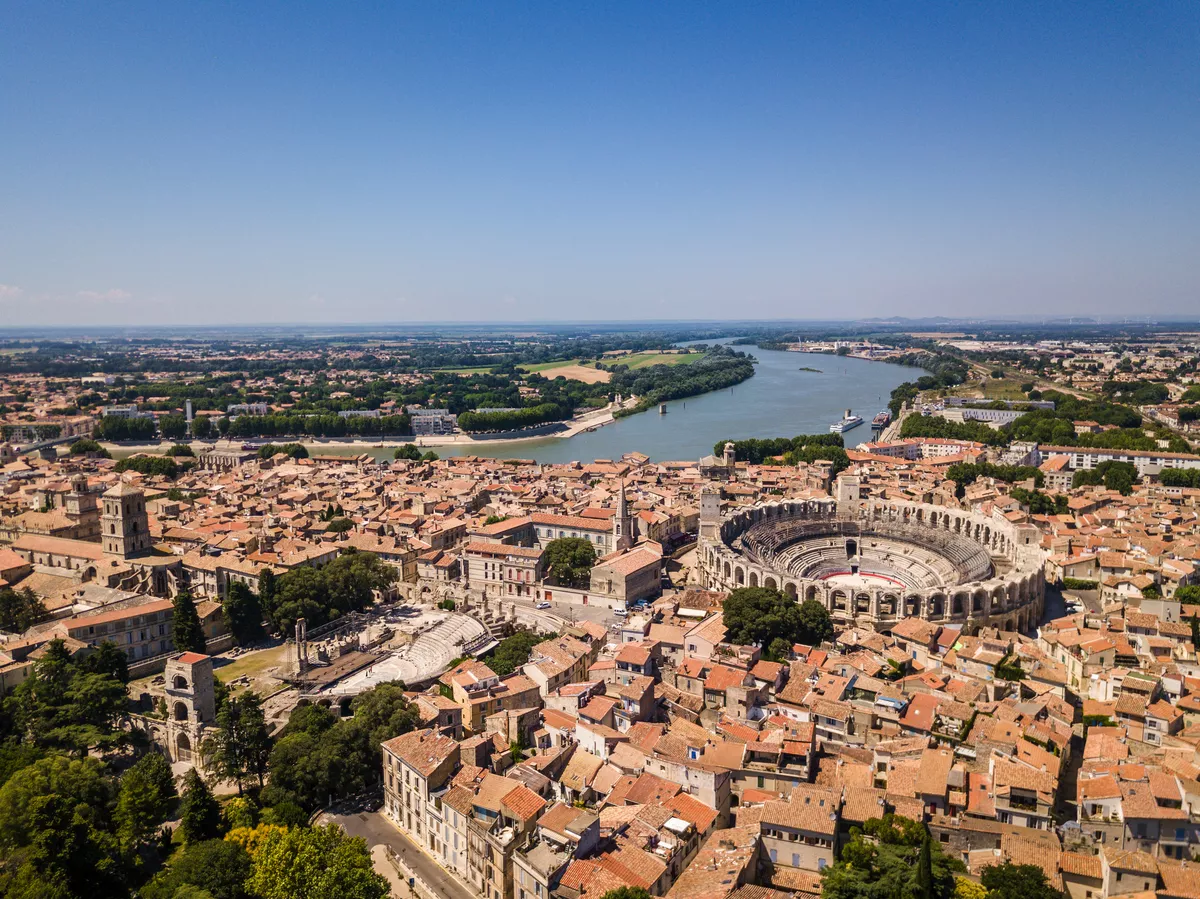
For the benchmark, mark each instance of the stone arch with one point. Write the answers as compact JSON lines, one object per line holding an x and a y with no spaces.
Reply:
{"x":958,"y":605}
{"x":179,"y":682}
{"x":728,"y":570}
{"x":770,"y":583}
{"x":839,"y":601}
{"x":183,"y":748}
{"x":179,"y":711}
{"x":810,"y":592}
{"x":789,"y":590}
{"x":937,"y":606}
{"x":979,"y":601}
{"x":739,"y":576}
{"x":862,"y":603}
{"x":912,"y":606}
{"x":888,"y":605}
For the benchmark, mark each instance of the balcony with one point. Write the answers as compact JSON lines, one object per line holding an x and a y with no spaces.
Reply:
{"x":1022,"y":804}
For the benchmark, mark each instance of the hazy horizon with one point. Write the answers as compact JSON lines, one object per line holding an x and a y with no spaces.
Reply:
{"x":537,"y":163}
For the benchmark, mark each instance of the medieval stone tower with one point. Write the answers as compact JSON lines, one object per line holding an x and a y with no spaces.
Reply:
{"x":191,"y":704}
{"x":124,"y":530}
{"x":849,"y":491}
{"x":710,"y":514}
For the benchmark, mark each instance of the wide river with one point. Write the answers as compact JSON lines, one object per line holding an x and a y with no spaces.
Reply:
{"x":779,"y":401}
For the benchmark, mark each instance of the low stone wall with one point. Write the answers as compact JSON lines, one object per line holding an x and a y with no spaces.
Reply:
{"x":156,"y":664}
{"x":546,"y":430}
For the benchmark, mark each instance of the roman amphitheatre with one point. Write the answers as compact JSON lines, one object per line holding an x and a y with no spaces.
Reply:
{"x":872,"y":562}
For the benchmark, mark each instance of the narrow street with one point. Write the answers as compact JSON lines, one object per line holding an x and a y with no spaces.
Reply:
{"x":375,"y":828}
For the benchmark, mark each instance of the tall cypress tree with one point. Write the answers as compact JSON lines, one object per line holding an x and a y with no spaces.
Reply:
{"x":188,"y":635}
{"x":199,"y":814}
{"x":925,"y":869}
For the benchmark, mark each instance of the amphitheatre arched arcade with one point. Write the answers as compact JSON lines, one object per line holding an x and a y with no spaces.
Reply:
{"x":874,"y":562}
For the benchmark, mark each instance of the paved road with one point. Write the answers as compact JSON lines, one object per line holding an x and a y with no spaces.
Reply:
{"x":375,"y":828}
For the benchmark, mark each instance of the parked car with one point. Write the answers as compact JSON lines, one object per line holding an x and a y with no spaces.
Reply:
{"x":543,"y":605}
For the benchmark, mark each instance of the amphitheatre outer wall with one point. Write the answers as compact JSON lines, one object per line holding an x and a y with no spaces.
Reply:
{"x":998,"y":577}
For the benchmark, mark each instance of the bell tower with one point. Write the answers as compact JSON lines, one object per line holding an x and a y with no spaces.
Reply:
{"x":124,"y":528}
{"x":622,"y":522}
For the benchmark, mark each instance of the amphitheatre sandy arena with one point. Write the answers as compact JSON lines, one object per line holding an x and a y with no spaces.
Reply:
{"x":874,"y":562}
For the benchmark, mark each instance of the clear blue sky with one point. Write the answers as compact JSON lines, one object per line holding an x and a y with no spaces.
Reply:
{"x":249,"y":162}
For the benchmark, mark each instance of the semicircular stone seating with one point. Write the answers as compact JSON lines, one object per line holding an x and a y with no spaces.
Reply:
{"x":948,"y":565}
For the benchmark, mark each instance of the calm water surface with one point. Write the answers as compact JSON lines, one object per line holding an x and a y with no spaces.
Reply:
{"x":779,"y":401}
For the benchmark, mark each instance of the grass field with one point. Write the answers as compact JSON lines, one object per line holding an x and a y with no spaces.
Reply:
{"x":253,"y":665}
{"x":477,"y":370}
{"x":570,"y":368}
{"x":644,"y":360}
{"x":1003,"y":389}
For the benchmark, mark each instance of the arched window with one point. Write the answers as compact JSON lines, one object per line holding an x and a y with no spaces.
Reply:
{"x":181,"y":711}
{"x":179,"y":682}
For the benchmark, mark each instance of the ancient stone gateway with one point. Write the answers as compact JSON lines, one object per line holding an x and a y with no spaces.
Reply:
{"x":874,"y":562}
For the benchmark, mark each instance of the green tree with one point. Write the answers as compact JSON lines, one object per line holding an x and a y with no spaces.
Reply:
{"x":1009,"y":881}
{"x":54,"y":831}
{"x":85,"y":447}
{"x":241,"y":746}
{"x":156,"y":466}
{"x":181,"y":449}
{"x":308,"y":718}
{"x":244,"y":613}
{"x":199,"y":814}
{"x":340,"y":526}
{"x":107,"y":659}
{"x":314,"y":863}
{"x":408,"y":451}
{"x":186,"y":630}
{"x":20,"y":609}
{"x":310,"y":770}
{"x":267,"y":589}
{"x":191,"y":891}
{"x":63,"y":706}
{"x":925,"y":869}
{"x":384,"y":712}
{"x":173,"y":427}
{"x":347,"y":584}
{"x":240,"y":811}
{"x":146,"y":797}
{"x":884,"y":861}
{"x":965,"y":888}
{"x":627,"y":893}
{"x":569,"y":560}
{"x":759,"y":616}
{"x":219,"y":867}
{"x":816,"y":626}
{"x":513,"y":652}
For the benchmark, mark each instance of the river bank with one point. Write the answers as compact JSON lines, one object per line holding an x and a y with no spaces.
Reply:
{"x":779,"y":401}
{"x":588,"y":421}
